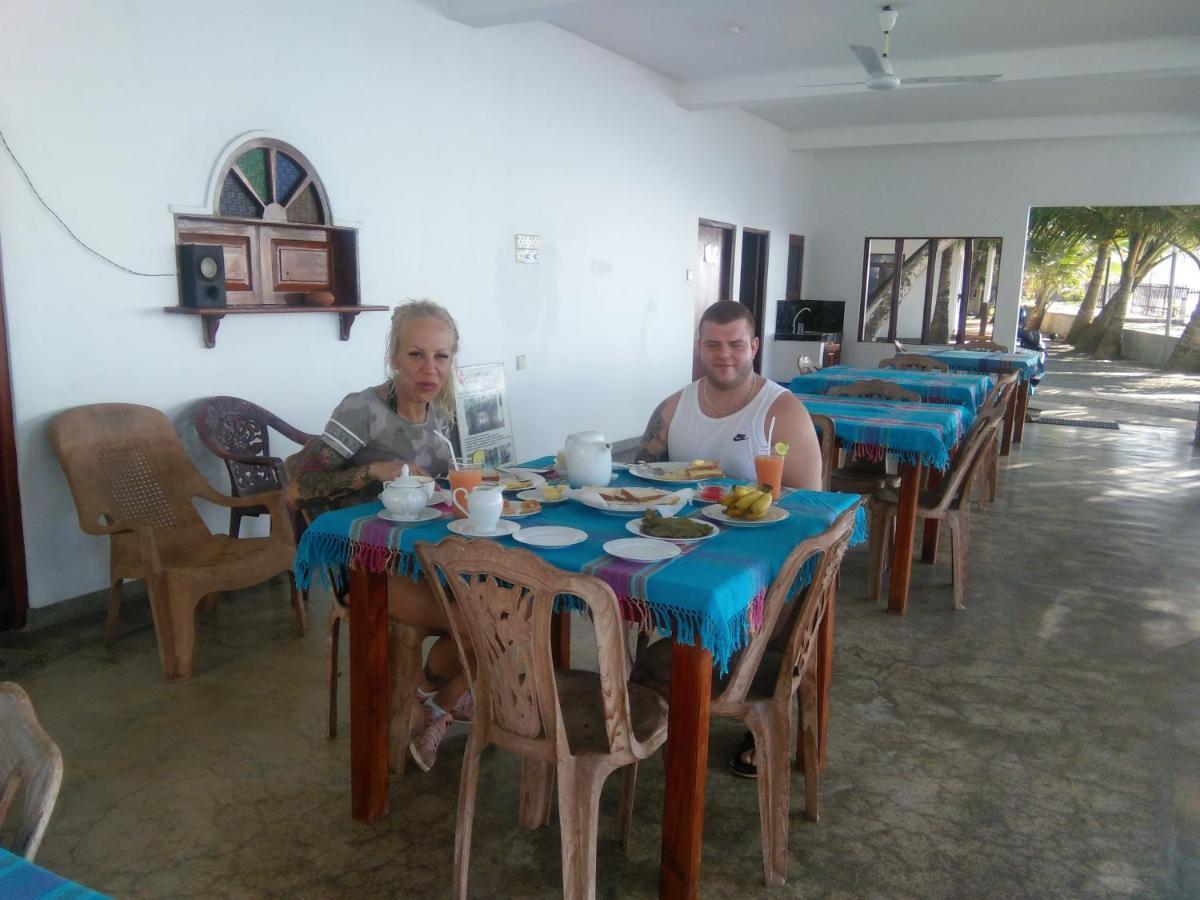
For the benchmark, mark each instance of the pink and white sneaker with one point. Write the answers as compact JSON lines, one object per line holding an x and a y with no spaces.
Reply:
{"x":464,"y":709}
{"x":425,"y":742}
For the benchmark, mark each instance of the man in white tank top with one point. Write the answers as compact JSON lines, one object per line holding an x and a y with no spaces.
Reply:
{"x":724,"y":415}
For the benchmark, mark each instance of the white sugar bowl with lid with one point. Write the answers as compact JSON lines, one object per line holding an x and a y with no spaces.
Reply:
{"x":589,"y":459}
{"x":406,"y":496}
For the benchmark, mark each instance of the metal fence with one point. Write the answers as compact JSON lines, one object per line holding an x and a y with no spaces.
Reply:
{"x":1150,"y":300}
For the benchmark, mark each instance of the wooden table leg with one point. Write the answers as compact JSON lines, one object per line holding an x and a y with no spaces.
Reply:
{"x":1022,"y":393}
{"x":906,"y":525}
{"x":1010,"y":420}
{"x":824,"y":678}
{"x":687,"y":768}
{"x":368,"y":695}
{"x":560,"y":640}
{"x":929,"y":543}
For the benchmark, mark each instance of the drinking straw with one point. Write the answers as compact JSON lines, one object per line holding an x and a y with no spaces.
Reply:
{"x":453,"y":458}
{"x":770,"y":432}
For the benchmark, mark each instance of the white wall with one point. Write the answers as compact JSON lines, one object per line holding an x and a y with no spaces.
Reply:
{"x":440,"y":142}
{"x":983,"y":189}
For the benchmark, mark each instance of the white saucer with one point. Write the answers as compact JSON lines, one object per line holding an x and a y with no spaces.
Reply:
{"x":426,"y":515}
{"x":641,"y":549}
{"x":504,"y":527}
{"x":550,"y":536}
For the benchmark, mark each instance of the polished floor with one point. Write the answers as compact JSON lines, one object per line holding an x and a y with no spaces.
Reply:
{"x":1043,"y":742}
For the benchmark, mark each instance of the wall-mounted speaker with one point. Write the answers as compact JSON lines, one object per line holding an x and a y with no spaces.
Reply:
{"x":201,"y":275}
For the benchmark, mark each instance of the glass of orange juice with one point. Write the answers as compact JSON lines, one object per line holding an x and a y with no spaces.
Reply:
{"x":466,"y":475}
{"x":768,"y":469}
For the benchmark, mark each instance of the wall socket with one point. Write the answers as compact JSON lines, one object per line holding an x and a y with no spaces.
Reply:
{"x":529,"y":248}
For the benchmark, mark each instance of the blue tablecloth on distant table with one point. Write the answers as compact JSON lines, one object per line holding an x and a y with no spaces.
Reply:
{"x":1025,"y":363}
{"x":22,"y":880}
{"x":710,"y":594}
{"x":914,"y":432}
{"x":933,"y":387}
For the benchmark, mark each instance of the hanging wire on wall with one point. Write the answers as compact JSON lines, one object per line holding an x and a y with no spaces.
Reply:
{"x":67,"y":228}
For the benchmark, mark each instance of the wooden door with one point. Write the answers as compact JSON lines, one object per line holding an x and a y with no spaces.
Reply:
{"x":753,"y":284}
{"x":14,"y":593}
{"x":714,"y":276}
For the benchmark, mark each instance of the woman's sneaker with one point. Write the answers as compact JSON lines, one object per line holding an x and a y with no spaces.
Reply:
{"x":424,"y":744}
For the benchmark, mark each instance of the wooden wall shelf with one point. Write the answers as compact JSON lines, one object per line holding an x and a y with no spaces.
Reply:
{"x":210,"y":319}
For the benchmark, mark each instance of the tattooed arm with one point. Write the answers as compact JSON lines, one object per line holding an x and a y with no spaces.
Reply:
{"x":319,"y":477}
{"x":654,"y":441}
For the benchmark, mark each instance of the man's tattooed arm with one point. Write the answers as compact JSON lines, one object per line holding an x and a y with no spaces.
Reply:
{"x":318,"y":476}
{"x":654,"y":441}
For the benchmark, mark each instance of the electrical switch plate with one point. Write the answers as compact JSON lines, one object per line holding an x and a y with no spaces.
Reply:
{"x":528,"y":256}
{"x":529,"y":248}
{"x":690,"y":275}
{"x":522,"y":362}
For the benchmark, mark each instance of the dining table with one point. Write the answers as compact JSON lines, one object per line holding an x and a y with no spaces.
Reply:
{"x":707,"y":600}
{"x":961,"y":388}
{"x":916,"y":436}
{"x":1028,"y":364}
{"x":20,"y":878}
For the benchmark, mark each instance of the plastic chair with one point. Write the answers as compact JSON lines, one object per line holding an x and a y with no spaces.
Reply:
{"x":779,"y":661}
{"x":238,"y":432}
{"x":574,"y":725}
{"x":867,"y":476}
{"x":993,"y":408}
{"x":991,"y":346}
{"x":918,"y":361}
{"x":31,"y":767}
{"x":827,"y":439}
{"x":874,"y":389}
{"x":132,"y":480}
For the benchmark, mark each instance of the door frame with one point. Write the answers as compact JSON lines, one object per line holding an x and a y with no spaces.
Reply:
{"x":725,"y":288}
{"x":761,"y":272}
{"x":12,"y":534}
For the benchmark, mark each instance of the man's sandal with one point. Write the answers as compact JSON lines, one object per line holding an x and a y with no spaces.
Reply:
{"x":738,"y":765}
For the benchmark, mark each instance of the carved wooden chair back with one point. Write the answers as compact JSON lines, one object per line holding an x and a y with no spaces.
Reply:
{"x":238,"y":432}
{"x":875,"y":389}
{"x":133,"y":481}
{"x":996,"y":403}
{"x":827,"y":439}
{"x":985,"y":345}
{"x":917,"y":361}
{"x":30,"y":769}
{"x":956,"y":485}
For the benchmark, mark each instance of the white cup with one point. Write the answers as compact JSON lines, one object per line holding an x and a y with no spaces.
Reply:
{"x":428,"y":484}
{"x":482,"y":506}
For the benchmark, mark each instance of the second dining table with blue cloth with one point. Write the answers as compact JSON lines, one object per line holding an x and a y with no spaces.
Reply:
{"x":1026,"y":363}
{"x":960,"y":388}
{"x":708,"y":599}
{"x":917,"y":435}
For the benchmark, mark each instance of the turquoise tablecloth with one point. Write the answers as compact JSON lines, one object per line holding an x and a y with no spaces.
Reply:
{"x":933,"y":387}
{"x":21,"y":880}
{"x":914,"y":432}
{"x":711,"y":594}
{"x":1025,"y":363}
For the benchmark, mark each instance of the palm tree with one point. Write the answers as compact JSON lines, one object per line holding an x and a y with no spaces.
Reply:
{"x":1059,"y":245}
{"x":1101,"y":224}
{"x":1186,"y":355}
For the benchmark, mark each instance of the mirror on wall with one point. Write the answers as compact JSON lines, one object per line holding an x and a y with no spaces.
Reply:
{"x":929,"y":290}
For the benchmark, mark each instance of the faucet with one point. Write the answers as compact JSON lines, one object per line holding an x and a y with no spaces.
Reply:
{"x":796,"y":318}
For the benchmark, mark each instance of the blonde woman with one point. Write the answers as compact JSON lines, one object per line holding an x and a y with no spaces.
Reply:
{"x":370,"y":436}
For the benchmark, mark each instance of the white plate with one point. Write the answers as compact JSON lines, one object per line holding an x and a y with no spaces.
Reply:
{"x":536,"y":494}
{"x":541,"y":470}
{"x":716,"y":512}
{"x":519,"y":514}
{"x":504,"y":528}
{"x":635,"y":526}
{"x":641,"y":549}
{"x":518,"y":475}
{"x":630,"y":508}
{"x":649,"y":471}
{"x":550,"y":536}
{"x":426,"y":515}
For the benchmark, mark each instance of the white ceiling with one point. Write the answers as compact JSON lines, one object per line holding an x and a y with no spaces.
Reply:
{"x":1070,"y":67}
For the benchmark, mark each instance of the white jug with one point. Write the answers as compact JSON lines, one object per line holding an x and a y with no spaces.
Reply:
{"x":589,"y":459}
{"x":482,"y":506}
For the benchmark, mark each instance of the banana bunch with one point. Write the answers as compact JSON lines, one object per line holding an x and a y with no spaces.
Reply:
{"x":747,"y":501}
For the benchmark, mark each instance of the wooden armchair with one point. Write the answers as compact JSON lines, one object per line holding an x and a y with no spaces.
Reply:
{"x":238,"y":432}
{"x":949,"y":502}
{"x":866,"y":476}
{"x":874,"y":389}
{"x":576,"y":725}
{"x":132,"y":480}
{"x":984,"y":345}
{"x":917,"y":361}
{"x":993,"y":409}
{"x":779,"y":661}
{"x":31,"y":768}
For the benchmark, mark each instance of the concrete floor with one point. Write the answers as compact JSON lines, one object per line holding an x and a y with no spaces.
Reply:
{"x":1043,"y":742}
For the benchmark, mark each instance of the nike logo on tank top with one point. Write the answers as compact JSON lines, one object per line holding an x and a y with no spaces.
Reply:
{"x":733,"y":440}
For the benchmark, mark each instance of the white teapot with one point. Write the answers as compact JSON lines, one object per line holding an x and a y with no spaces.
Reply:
{"x":406,"y":496}
{"x":589,"y":459}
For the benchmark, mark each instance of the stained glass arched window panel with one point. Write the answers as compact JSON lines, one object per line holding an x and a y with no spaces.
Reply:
{"x":270,"y":180}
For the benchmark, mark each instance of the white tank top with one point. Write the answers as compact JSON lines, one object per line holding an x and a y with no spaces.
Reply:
{"x":733,"y":441}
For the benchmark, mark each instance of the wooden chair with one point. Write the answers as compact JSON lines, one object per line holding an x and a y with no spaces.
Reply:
{"x":31,"y":767}
{"x":827,"y":439}
{"x":984,"y":345}
{"x":132,"y":480}
{"x":917,"y":361}
{"x":993,"y":408}
{"x":779,"y":661}
{"x":238,"y":432}
{"x":949,"y":502}
{"x":579,"y":726}
{"x":867,"y":476}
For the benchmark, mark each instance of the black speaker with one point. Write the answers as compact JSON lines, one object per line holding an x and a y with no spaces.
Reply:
{"x":201,"y":275}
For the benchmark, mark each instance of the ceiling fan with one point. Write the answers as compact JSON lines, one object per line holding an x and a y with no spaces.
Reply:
{"x":880,"y":75}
